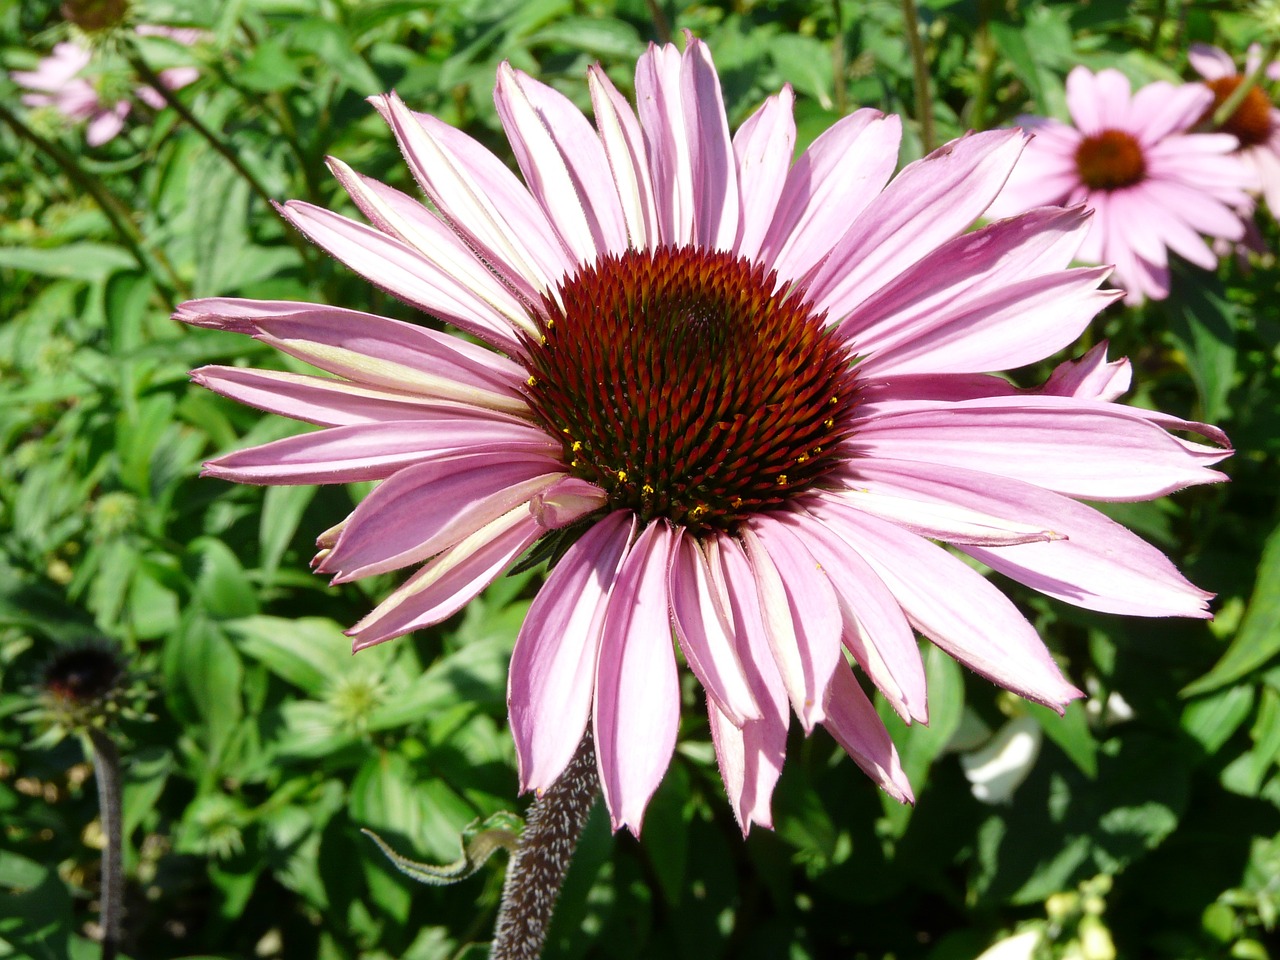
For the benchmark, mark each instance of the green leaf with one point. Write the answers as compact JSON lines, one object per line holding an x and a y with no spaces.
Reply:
{"x":78,"y":261}
{"x":1070,"y":732}
{"x":282,"y":509}
{"x":1258,"y":639}
{"x":1204,"y":325}
{"x":1213,"y":719}
{"x":222,"y":587}
{"x":476,"y":674}
{"x":1012,"y":43}
{"x":917,"y":744}
{"x":308,"y":652}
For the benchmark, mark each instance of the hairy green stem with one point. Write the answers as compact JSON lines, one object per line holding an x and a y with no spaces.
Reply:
{"x":985,"y":53}
{"x":924,"y":101}
{"x":541,"y":859}
{"x":661,"y":26}
{"x":1230,"y":105}
{"x":106,"y":770}
{"x":151,"y":261}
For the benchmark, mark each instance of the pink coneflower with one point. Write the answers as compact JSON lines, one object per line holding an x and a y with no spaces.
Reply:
{"x":1153,"y":186}
{"x":739,"y":398}
{"x":64,"y":81}
{"x":1255,"y":123}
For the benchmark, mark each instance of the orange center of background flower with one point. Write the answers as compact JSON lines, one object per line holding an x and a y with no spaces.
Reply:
{"x":687,"y":388}
{"x":1251,"y":122}
{"x":1110,"y":160}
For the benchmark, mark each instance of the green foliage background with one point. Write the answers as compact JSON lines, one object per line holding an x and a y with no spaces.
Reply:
{"x":1149,"y":833}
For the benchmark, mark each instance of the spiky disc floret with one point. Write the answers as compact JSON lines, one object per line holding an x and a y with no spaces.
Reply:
{"x":688,"y":387}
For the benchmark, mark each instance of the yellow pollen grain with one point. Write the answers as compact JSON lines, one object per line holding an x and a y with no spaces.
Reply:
{"x":782,"y":479}
{"x":532,"y":381}
{"x":543,"y":338}
{"x":803,"y":458}
{"x":622,"y":476}
{"x":647,"y":490}
{"x":736,"y":502}
{"x":697,"y":511}
{"x":576,"y":446}
{"x":828,"y":423}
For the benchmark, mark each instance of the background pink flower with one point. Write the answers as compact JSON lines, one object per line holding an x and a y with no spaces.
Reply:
{"x":1255,"y":123}
{"x":1154,"y":187}
{"x":63,"y":81}
{"x":742,"y":399}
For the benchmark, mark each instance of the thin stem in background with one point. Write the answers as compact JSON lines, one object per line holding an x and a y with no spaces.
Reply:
{"x":106,"y":770}
{"x":153,"y":80}
{"x":924,"y":100}
{"x":1157,"y":24}
{"x":541,"y":860}
{"x":839,"y":61}
{"x":985,"y":53}
{"x":152,"y":261}
{"x":661,"y":26}
{"x":1230,"y":105}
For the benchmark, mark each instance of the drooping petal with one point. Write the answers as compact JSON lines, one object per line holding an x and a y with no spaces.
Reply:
{"x":637,"y":703}
{"x":750,"y":757}
{"x":1080,"y":448}
{"x":1098,"y":564}
{"x":954,"y":606}
{"x":1091,"y":377}
{"x":876,"y":630}
{"x":450,"y":581}
{"x":853,"y":721}
{"x":705,"y":632}
{"x":553,"y":667}
{"x":801,"y":614}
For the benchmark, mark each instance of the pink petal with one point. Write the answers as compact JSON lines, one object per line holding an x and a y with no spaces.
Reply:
{"x":563,"y":163}
{"x":715,"y":179}
{"x":801,"y":614}
{"x":1091,"y":377}
{"x":1097,"y":564}
{"x":853,"y":722}
{"x":373,"y":451}
{"x":876,"y":631}
{"x":480,"y":197}
{"x":321,"y":400}
{"x":637,"y":703}
{"x":628,"y":162}
{"x":553,"y":666}
{"x":1081,"y":448}
{"x":406,"y":219}
{"x":750,"y":759}
{"x":928,"y":203}
{"x":1210,"y":62}
{"x":660,"y":104}
{"x":762,"y":148}
{"x":567,"y":501}
{"x":705,"y":632}
{"x":400,"y":270}
{"x":450,"y":581}
{"x":954,"y":606}
{"x":831,"y":184}
{"x":424,"y":509}
{"x":370,"y":349}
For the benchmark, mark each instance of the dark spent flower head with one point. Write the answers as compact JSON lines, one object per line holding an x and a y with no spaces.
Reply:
{"x":82,"y":675}
{"x":647,"y":367}
{"x":93,"y":16}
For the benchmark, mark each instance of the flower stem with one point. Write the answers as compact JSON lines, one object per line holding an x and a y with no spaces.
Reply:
{"x":541,"y":860}
{"x":1232,"y":103}
{"x":106,"y":770}
{"x":152,"y":261}
{"x":839,"y":60}
{"x":924,"y":103}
